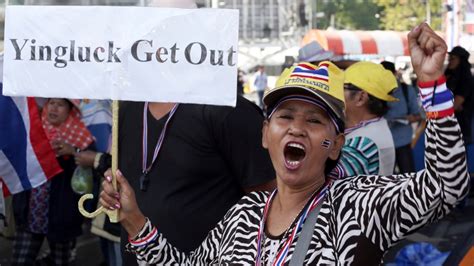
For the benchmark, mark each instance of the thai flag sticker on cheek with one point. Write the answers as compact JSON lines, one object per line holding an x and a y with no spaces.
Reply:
{"x":326,"y":143}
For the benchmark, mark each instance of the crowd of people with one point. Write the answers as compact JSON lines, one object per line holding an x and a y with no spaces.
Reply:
{"x":319,"y":171}
{"x":49,"y":211}
{"x":389,"y":102}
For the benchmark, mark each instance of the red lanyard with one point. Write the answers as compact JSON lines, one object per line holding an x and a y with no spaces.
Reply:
{"x":144,"y":179}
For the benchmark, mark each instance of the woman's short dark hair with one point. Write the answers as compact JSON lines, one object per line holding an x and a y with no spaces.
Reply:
{"x":71,"y":105}
{"x":330,"y":163}
{"x":376,"y":106}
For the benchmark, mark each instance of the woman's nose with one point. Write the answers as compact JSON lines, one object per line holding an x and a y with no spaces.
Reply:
{"x":297,"y":128}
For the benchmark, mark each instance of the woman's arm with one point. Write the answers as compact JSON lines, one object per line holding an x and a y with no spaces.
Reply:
{"x":399,"y":205}
{"x":145,"y":240}
{"x":153,"y":248}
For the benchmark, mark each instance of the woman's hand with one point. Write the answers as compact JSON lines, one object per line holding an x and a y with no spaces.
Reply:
{"x":413,"y":118}
{"x":427,"y":51}
{"x":123,"y":200}
{"x":85,"y":158}
{"x":62,"y":148}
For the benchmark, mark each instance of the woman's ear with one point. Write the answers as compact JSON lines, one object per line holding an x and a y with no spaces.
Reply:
{"x":336,"y":147}
{"x":264,"y":134}
{"x":362,"y":98}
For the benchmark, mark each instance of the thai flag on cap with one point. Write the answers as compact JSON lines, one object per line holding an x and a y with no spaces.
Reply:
{"x":26,"y":157}
{"x":310,"y":72}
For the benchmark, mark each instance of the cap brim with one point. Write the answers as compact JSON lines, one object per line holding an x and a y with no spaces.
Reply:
{"x":460,"y":55}
{"x":272,"y":96}
{"x":319,"y":57}
{"x":390,"y":98}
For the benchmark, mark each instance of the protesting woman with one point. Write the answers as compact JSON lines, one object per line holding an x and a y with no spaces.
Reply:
{"x":308,"y":219}
{"x":459,"y":80}
{"x":50,"y":210}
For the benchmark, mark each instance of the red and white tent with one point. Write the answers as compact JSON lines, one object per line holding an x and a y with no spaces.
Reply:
{"x":345,"y":42}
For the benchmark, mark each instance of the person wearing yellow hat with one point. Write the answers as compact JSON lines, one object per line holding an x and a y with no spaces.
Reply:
{"x":369,"y":147}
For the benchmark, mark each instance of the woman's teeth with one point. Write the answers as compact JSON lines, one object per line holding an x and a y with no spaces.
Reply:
{"x":296,"y":145}
{"x":294,"y":155}
{"x":293,"y":163}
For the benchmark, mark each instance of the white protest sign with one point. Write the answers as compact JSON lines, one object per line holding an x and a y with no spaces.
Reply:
{"x":122,"y":53}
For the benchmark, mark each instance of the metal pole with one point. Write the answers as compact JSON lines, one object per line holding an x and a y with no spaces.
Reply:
{"x":428,"y":12}
{"x":309,"y":5}
{"x":252,"y":20}
{"x":245,"y":19}
{"x":272,"y":23}
{"x":315,"y":12}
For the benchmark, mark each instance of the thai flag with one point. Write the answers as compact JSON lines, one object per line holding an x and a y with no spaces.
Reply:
{"x":326,"y":143}
{"x":309,"y":72}
{"x":97,"y":116}
{"x":26,"y":157}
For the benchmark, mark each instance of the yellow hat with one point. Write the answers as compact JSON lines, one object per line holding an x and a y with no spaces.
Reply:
{"x":372,"y":78}
{"x":324,"y":82}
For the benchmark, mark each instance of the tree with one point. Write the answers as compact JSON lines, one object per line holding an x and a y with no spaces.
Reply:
{"x":349,"y":14}
{"x":399,"y":15}
{"x":402,"y":15}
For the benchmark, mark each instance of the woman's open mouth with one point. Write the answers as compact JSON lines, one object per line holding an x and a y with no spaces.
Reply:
{"x":52,"y":116}
{"x":294,"y":153}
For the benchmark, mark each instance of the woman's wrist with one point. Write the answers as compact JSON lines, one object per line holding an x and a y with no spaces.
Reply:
{"x":428,"y":83}
{"x":71,"y":150}
{"x":437,"y":99}
{"x":134,"y":223}
{"x":147,"y":235}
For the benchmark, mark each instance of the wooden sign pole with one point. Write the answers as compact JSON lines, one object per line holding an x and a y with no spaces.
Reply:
{"x":113,"y":214}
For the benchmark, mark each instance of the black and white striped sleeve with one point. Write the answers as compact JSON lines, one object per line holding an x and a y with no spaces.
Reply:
{"x":151,"y":247}
{"x":390,"y":207}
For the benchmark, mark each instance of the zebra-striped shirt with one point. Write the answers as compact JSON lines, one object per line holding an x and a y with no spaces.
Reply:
{"x":360,"y":219}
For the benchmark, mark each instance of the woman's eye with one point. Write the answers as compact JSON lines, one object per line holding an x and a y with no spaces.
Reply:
{"x":314,"y":121}
{"x":286,"y":117}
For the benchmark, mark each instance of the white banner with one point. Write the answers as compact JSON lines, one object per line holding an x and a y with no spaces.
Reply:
{"x":122,"y":53}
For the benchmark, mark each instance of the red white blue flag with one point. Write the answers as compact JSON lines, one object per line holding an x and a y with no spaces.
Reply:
{"x":306,"y":71}
{"x":26,"y":157}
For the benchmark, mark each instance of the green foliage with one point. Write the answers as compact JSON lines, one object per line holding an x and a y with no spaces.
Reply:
{"x":349,"y":14}
{"x":399,"y":15}
{"x":403,"y":15}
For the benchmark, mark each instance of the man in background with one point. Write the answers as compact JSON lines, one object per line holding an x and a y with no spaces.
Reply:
{"x":209,"y":157}
{"x":369,"y":145}
{"x":260,"y":83}
{"x":400,"y":116}
{"x":459,"y":80}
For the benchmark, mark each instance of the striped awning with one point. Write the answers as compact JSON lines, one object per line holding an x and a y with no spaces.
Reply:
{"x":345,"y":42}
